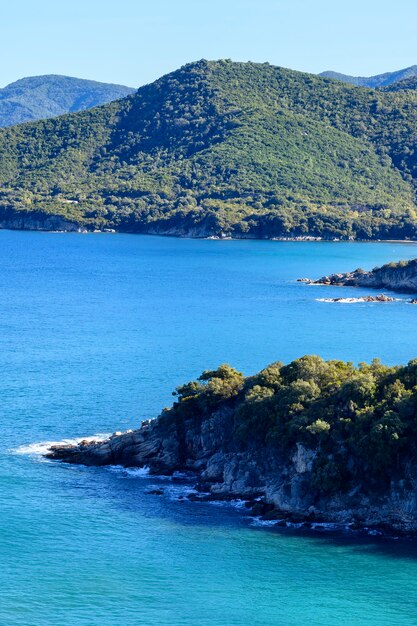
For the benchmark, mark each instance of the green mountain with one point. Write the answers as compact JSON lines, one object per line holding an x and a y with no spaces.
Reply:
{"x":218,"y":147}
{"x":374,"y":82}
{"x":39,"y":97}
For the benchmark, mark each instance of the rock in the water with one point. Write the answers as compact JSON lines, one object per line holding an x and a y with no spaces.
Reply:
{"x":380,"y":298}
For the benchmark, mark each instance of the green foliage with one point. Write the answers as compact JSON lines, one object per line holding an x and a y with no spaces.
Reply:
{"x":329,"y":475}
{"x":319,"y":427}
{"x":219,"y":147}
{"x":361,"y":421}
{"x":211,"y":389}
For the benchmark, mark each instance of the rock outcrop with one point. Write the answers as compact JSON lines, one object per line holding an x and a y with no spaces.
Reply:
{"x":400,"y":277}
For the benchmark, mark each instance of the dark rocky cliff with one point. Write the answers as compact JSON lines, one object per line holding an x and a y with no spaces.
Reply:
{"x":225,"y":472}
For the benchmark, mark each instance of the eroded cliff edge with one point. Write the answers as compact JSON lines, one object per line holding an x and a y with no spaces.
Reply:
{"x":313,"y":440}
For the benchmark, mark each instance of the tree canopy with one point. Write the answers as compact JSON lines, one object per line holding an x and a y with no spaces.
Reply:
{"x":360,"y":420}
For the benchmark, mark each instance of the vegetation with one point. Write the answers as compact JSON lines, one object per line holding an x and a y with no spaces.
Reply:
{"x":39,"y":97}
{"x":412,"y":264}
{"x":245,"y":149}
{"x":360,"y":420}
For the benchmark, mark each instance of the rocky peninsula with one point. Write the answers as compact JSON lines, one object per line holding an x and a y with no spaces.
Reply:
{"x":312,"y":441}
{"x":401,"y":277}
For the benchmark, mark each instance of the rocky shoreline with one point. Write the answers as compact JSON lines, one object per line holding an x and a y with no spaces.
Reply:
{"x":400,"y":277}
{"x":275,"y":488}
{"x":38,"y":221}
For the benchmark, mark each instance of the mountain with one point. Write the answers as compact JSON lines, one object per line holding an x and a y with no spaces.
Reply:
{"x":312,"y":441}
{"x":40,"y":97}
{"x":215,"y":148}
{"x":374,"y":82}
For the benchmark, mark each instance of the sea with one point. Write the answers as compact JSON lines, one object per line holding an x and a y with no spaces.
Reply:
{"x":96,"y":331}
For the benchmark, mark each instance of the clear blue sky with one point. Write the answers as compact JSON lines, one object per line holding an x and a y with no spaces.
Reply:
{"x":134,"y":41}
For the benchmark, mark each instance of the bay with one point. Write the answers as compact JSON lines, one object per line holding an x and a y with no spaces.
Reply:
{"x":96,"y":331}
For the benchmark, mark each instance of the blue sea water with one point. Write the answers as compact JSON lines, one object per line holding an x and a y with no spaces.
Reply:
{"x":96,"y":331}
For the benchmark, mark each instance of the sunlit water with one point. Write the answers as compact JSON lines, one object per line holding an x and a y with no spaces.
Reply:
{"x":96,"y":331}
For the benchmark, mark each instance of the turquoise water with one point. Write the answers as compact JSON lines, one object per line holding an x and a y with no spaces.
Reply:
{"x":96,"y":331}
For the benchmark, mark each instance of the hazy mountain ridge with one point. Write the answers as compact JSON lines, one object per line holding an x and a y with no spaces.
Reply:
{"x":40,"y":97}
{"x":245,"y":149}
{"x":402,"y":85}
{"x":373,"y":82}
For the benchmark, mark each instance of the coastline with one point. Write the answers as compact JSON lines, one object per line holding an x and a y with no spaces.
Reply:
{"x":256,"y":510}
{"x":76,"y":229}
{"x":303,"y":442}
{"x":278,"y":489}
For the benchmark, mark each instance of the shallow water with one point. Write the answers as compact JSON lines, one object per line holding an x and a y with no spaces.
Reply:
{"x":96,"y":331}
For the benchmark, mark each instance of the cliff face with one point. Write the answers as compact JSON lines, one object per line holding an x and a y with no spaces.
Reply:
{"x":281,"y":485}
{"x":400,"y":277}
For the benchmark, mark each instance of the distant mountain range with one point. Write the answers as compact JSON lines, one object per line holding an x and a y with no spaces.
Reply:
{"x":221,"y":148}
{"x":374,"y":82}
{"x":40,"y":97}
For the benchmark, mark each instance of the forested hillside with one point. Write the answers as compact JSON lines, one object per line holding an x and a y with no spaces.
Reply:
{"x":220,"y":147}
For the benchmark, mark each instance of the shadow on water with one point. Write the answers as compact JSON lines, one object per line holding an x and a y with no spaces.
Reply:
{"x":117,"y":488}
{"x":394,"y":546}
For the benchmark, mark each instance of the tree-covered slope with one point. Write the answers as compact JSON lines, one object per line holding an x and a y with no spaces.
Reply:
{"x":40,"y":97}
{"x":374,"y":82}
{"x":242,"y":148}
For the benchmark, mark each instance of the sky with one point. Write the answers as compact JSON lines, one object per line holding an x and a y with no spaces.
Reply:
{"x":133,"y":42}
